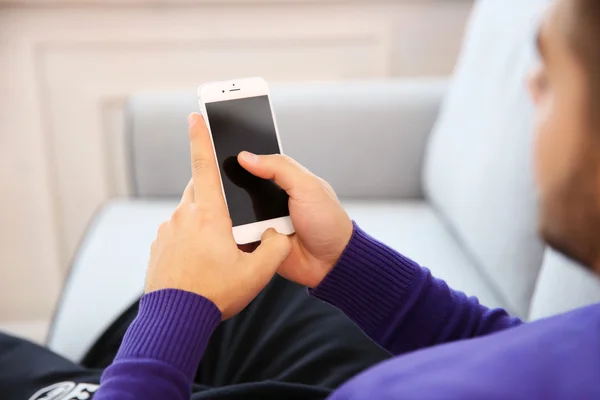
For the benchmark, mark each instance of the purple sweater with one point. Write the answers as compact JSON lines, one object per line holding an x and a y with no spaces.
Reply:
{"x":448,"y":346}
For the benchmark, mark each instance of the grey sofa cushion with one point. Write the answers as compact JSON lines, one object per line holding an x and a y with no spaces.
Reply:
{"x":108,"y":273}
{"x":563,"y":285}
{"x":109,"y":270}
{"x":478,"y":168}
{"x":415,"y":229}
{"x":366,"y":138}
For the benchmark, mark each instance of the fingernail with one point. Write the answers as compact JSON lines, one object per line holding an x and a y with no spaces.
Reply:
{"x":249,"y":157}
{"x":192,"y":119}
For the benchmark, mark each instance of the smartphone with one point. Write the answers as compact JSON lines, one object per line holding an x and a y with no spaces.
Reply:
{"x":239,"y":116}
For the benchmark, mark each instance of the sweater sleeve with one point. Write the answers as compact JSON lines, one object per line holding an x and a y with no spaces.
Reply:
{"x":400,"y":305}
{"x":162,"y":348}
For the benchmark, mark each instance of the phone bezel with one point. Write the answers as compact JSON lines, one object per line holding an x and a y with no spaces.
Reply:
{"x":240,"y":89}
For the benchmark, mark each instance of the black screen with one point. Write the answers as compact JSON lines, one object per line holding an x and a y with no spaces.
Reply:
{"x":246,"y":124}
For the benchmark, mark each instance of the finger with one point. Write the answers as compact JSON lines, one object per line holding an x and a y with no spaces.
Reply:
{"x":162,"y":229}
{"x":205,"y":173}
{"x":285,"y":171}
{"x":268,"y":256}
{"x":188,"y":193}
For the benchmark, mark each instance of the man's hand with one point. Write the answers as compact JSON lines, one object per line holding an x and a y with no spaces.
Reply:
{"x":195,"y":250}
{"x":323,"y":229}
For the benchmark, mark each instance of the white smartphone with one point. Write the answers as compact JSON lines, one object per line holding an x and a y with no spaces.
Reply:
{"x":239,"y":116}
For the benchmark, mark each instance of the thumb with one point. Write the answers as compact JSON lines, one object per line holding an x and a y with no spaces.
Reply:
{"x":272,"y":252}
{"x":285,"y":171}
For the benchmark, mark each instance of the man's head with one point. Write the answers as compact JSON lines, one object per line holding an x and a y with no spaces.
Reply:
{"x":566,"y":92}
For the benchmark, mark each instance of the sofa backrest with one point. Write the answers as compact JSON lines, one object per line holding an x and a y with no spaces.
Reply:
{"x":478,"y":171}
{"x":326,"y":127}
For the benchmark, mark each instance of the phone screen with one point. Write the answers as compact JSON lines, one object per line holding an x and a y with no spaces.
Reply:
{"x":246,"y":124}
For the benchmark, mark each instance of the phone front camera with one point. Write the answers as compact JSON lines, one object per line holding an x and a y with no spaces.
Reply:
{"x":223,"y":91}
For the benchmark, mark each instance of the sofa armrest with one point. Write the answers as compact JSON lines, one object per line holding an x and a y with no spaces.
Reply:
{"x":366,"y":138}
{"x":107,"y":274}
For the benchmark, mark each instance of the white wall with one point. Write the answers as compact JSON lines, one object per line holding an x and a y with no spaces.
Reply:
{"x":67,"y":67}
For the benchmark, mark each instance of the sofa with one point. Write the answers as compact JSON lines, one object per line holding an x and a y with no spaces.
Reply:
{"x":437,"y":168}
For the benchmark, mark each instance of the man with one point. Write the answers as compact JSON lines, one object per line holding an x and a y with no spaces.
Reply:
{"x":445,"y":345}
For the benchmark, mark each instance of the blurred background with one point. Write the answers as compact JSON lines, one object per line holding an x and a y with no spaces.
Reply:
{"x":68,"y":67}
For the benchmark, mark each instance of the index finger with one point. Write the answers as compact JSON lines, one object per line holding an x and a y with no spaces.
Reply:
{"x":205,"y":172}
